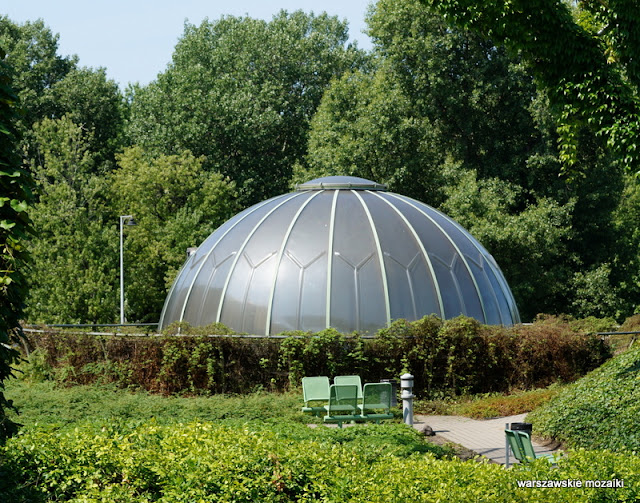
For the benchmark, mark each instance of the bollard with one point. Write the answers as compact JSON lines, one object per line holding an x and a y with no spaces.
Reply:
{"x":506,"y":445}
{"x":406,"y":383}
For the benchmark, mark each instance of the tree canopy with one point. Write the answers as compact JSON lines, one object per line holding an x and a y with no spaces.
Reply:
{"x":517,"y":119}
{"x":585,"y":61}
{"x":242,"y":92}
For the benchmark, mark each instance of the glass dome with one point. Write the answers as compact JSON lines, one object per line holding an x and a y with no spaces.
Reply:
{"x":338,"y":252}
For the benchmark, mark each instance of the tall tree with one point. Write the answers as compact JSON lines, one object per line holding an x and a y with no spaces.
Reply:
{"x":50,"y":86}
{"x":73,"y":277}
{"x":435,"y":94}
{"x":15,"y":197}
{"x":176,"y":205}
{"x":589,"y":70}
{"x":448,"y":118}
{"x":32,"y":51}
{"x":241,"y":92}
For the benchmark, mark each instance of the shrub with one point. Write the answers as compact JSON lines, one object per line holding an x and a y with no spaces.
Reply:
{"x":450,"y":357}
{"x":631,"y":324}
{"x":246,"y":463}
{"x":600,"y":411}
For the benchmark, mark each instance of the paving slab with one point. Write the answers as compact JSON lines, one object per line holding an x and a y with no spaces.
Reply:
{"x":484,"y":436}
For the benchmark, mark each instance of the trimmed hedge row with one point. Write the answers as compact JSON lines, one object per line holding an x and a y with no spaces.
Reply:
{"x":210,"y":462}
{"x":451,"y":357}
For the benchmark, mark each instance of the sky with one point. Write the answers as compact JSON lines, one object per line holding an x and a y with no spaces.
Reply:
{"x":134,"y":40}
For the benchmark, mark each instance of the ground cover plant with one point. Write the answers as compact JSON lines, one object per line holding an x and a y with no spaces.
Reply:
{"x":210,"y":462}
{"x":599,"y":411}
{"x":101,"y":443}
{"x":488,"y":405}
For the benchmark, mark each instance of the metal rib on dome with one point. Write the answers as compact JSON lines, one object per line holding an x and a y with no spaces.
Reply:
{"x":353,"y":258}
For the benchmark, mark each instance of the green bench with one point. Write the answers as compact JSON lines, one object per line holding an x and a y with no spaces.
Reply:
{"x":522,"y":448}
{"x":346,"y":400}
{"x":315,"y":392}
{"x":349,"y":402}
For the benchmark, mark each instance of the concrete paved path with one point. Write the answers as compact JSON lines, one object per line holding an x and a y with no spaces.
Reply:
{"x":486,"y":436}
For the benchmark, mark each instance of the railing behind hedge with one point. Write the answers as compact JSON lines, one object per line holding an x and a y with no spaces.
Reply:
{"x":451,"y":357}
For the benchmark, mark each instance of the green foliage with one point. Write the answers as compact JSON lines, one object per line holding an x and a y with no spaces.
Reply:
{"x":176,"y":205}
{"x":51,"y":86}
{"x":540,"y":232}
{"x":75,"y":249}
{"x":488,"y":405}
{"x":52,"y":405}
{"x":201,"y":461}
{"x":241,"y":92}
{"x":595,"y":295}
{"x":631,"y":324}
{"x":446,"y":117}
{"x":436,"y":96}
{"x":588,"y":74}
{"x":33,"y":53}
{"x":454,"y":357}
{"x":15,"y":227}
{"x":600,"y":411}
{"x":72,"y":125}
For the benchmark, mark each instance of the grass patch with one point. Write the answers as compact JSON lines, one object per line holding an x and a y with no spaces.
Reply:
{"x":486,"y":406}
{"x":46,"y":403}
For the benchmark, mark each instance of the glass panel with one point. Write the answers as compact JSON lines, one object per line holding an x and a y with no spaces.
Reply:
{"x":300,"y":292}
{"x":211,"y":298}
{"x":508,"y":309}
{"x":343,"y":296}
{"x":372,"y":309}
{"x":448,"y":288}
{"x":442,"y":254}
{"x":235,"y":296}
{"x":314,"y":298}
{"x":175,"y":301}
{"x":423,"y":288}
{"x":399,"y":251}
{"x":250,"y":284}
{"x":177,"y":294}
{"x":353,"y":248}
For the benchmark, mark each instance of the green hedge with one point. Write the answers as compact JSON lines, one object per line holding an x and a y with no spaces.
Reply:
{"x":209,"y":462}
{"x":601,"y":410}
{"x":452,"y":357}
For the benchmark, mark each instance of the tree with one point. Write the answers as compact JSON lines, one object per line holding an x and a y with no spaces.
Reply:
{"x":73,"y":277}
{"x":532,"y":246}
{"x":32,"y":52}
{"x":15,"y":196}
{"x":589,"y":70}
{"x":436,"y":95}
{"x":241,"y":92}
{"x":448,"y":118}
{"x":176,"y":204}
{"x":367,"y":126}
{"x":51,"y":86}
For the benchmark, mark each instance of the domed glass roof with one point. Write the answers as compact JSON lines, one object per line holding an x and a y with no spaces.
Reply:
{"x":338,"y":252}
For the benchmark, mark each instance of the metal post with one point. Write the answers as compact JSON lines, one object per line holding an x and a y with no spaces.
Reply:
{"x":506,"y":446}
{"x":406,"y":383}
{"x":121,"y":275}
{"x":122,"y":219}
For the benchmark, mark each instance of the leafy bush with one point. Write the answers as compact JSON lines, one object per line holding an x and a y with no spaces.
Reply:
{"x":631,"y":324}
{"x":600,"y":411}
{"x":247,"y":463}
{"x":452,"y":357}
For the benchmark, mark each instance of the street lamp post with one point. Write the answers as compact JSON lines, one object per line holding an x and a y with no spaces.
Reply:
{"x":130,"y":221}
